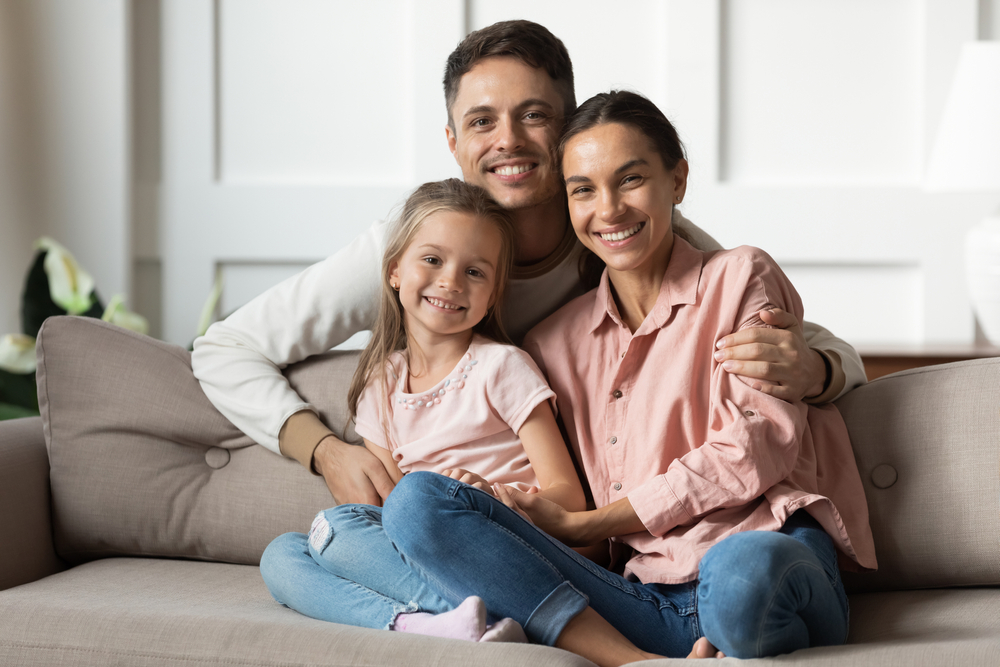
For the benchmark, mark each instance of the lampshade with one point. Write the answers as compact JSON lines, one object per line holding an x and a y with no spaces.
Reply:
{"x":966,"y":155}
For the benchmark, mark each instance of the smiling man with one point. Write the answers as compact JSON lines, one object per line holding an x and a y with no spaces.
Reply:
{"x":508,"y":90}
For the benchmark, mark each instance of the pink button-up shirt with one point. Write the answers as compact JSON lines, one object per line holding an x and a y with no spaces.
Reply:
{"x":652,"y":417}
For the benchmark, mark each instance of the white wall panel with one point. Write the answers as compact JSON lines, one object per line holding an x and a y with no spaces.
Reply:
{"x":613,"y":45}
{"x":312,"y":92}
{"x":822,"y":92}
{"x":842,"y":294}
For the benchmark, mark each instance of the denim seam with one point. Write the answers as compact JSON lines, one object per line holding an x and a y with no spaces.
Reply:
{"x":778,"y":586}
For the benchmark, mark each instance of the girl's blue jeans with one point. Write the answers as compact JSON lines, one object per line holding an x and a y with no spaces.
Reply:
{"x":346,"y":571}
{"x":758,"y":593}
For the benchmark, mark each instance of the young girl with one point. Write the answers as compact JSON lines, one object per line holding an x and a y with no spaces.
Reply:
{"x":437,"y":389}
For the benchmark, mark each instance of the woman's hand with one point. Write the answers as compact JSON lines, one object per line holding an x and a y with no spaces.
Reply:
{"x":470,"y":478}
{"x":545,"y":514}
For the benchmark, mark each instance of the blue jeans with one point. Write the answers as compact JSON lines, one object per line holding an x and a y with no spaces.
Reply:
{"x":345,"y":571}
{"x":759,"y":593}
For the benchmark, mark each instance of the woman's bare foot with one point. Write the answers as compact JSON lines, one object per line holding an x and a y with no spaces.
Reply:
{"x":704,"y":649}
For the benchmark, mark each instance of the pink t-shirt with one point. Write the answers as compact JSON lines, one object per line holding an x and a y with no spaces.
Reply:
{"x":468,"y":420}
{"x":652,"y":417}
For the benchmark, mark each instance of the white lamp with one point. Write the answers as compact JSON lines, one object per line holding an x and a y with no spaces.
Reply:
{"x":966,"y":157}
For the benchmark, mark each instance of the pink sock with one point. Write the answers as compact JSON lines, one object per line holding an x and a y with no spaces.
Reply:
{"x":505,"y":630}
{"x":466,"y":621}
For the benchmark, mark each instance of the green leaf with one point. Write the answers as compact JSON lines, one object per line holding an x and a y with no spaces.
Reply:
{"x":8,"y":411}
{"x":19,"y":389}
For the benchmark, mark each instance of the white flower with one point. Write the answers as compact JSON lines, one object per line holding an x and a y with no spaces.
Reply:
{"x":17,"y":354}
{"x":70,"y":287}
{"x":118,"y":314}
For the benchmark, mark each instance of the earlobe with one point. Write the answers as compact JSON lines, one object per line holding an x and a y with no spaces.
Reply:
{"x":680,"y":180}
{"x":394,"y":274}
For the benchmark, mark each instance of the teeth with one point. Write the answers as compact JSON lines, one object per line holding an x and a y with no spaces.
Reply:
{"x":620,"y":236}
{"x":442,"y":304}
{"x":510,"y":171}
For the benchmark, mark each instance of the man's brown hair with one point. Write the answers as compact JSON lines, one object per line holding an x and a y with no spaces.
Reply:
{"x":529,"y":42}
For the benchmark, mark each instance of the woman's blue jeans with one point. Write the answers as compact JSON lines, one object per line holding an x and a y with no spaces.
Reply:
{"x":758,"y":593}
{"x":345,"y":571}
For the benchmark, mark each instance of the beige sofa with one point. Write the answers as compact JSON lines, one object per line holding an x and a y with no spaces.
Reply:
{"x":133,"y":515}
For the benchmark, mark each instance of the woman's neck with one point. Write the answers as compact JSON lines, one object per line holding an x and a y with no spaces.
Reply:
{"x":430,"y":358}
{"x":636,"y":290}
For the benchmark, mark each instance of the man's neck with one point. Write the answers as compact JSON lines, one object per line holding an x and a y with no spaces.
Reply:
{"x":540,"y":229}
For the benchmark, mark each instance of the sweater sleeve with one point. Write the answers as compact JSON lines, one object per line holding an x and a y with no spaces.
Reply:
{"x":239,"y":360}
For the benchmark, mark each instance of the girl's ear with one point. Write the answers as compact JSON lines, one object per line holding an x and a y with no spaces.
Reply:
{"x":394,"y":273}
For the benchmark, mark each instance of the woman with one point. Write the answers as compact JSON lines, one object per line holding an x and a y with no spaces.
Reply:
{"x":736,"y":505}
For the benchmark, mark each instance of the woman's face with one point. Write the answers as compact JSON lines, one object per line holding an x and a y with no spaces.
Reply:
{"x":621,"y":197}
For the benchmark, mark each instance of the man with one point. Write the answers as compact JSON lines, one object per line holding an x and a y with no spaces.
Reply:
{"x":508,"y":90}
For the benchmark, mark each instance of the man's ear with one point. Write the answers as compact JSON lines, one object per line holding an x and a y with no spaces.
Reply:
{"x":452,"y":139}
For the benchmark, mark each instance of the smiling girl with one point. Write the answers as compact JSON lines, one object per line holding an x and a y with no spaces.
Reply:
{"x":438,"y":390}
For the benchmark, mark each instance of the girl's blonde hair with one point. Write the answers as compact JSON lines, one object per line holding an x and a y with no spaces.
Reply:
{"x":389,"y":333}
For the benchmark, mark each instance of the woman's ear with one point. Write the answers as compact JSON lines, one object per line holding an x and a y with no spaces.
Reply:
{"x":680,"y":175}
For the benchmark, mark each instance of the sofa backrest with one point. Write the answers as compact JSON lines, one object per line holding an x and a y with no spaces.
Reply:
{"x":927,"y":444}
{"x":143,"y":464}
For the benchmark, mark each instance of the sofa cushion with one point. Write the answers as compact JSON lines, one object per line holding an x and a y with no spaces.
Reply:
{"x":161,"y":612}
{"x":131,"y":611}
{"x":927,"y":443}
{"x":143,"y":464}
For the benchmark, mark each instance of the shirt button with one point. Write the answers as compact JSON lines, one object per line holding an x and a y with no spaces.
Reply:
{"x":618,"y":486}
{"x":623,"y":355}
{"x":617,"y":393}
{"x":613,"y":439}
{"x":748,"y":413}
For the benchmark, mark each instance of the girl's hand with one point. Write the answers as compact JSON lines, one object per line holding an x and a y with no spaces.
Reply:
{"x":470,"y":478}
{"x":545,"y":514}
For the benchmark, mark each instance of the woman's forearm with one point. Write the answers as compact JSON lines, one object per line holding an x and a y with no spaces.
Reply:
{"x":618,"y":518}
{"x":569,"y":496}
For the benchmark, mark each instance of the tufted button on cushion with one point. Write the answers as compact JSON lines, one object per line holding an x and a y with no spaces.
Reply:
{"x":216,"y":457}
{"x":884,"y":476}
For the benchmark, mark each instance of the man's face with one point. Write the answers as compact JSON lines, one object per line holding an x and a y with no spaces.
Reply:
{"x":507,"y":119}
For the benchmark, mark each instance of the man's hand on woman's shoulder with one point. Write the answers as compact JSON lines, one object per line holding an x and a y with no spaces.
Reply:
{"x":775,"y":361}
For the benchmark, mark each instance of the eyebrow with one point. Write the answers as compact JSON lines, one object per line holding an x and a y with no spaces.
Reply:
{"x":477,"y":258}
{"x":485,"y":108}
{"x":638,"y":162}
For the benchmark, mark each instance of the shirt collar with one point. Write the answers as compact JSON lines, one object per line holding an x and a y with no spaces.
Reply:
{"x":680,"y":286}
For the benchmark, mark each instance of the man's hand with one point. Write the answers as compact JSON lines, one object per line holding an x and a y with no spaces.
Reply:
{"x":352,"y":473}
{"x":775,"y":361}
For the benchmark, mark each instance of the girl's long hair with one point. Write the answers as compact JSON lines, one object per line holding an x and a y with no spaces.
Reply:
{"x":388,"y":332}
{"x":633,"y":110}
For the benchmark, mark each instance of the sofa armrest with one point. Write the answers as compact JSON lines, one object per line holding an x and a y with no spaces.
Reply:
{"x":26,"y":549}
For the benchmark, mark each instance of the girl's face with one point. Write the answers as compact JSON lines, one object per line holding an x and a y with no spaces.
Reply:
{"x":621,"y":197}
{"x":447,"y":274}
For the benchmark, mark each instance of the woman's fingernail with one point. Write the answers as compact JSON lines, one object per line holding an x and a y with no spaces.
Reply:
{"x":728,"y":365}
{"x":718,"y":355}
{"x":721,"y":344}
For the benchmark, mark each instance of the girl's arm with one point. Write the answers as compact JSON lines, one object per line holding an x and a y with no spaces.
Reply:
{"x":385,"y":456}
{"x":550,"y":459}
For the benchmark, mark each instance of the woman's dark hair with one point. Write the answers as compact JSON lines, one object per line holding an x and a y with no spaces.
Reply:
{"x":625,"y":108}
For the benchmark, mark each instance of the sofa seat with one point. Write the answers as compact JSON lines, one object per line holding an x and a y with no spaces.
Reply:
{"x":136,"y":611}
{"x":146,"y":612}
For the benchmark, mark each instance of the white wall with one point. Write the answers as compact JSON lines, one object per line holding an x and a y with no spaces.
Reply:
{"x":64,"y":137}
{"x":269,"y":132}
